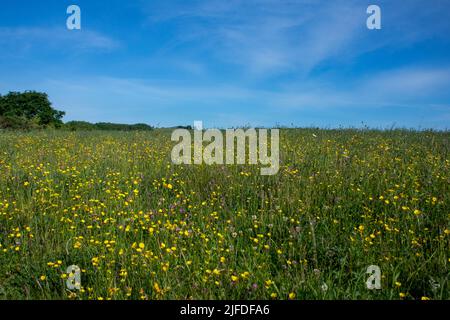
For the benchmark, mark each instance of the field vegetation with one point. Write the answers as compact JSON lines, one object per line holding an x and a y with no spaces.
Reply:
{"x":140,"y":227}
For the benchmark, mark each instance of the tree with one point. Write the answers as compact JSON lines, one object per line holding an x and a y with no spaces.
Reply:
{"x":28,"y":107}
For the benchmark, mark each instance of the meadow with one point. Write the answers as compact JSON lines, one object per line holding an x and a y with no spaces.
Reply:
{"x":140,"y":227}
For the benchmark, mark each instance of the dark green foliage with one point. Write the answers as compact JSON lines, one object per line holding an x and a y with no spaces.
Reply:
{"x":79,"y":125}
{"x":14,"y":122}
{"x":87,"y":126}
{"x":184,"y":127}
{"x":27,"y":110}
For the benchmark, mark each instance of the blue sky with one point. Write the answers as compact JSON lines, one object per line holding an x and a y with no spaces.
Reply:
{"x":233,"y":62}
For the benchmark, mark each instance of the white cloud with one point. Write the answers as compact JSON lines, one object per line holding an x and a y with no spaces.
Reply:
{"x":273,"y":37}
{"x":263,"y":36}
{"x":409,"y":82}
{"x":23,"y":40}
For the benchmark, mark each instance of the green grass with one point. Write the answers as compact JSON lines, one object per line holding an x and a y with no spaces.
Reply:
{"x":342,"y":201}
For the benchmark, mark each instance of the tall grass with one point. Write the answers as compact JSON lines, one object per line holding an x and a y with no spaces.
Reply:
{"x":140,"y":227}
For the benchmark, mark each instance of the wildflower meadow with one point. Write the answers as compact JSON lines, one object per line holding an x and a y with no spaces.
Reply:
{"x":140,"y":227}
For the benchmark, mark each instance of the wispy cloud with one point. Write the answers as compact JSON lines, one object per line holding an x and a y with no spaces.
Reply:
{"x":407,"y":84}
{"x":271,"y":37}
{"x":23,"y":40}
{"x":404,"y":87}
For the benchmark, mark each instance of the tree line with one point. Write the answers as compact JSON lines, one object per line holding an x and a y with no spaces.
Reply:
{"x":87,"y":126}
{"x":33,"y":110}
